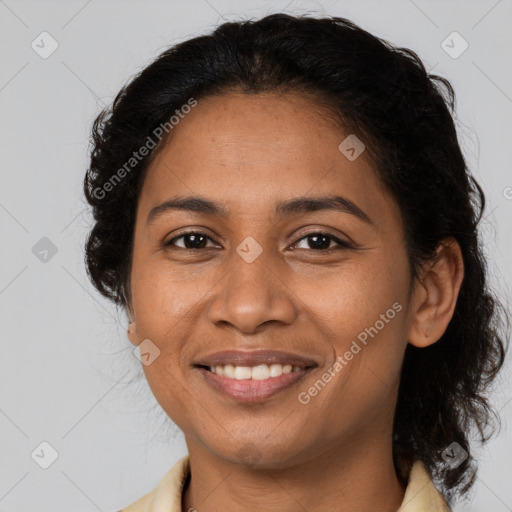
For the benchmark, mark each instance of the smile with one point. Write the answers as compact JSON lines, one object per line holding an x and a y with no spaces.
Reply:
{"x":253,"y":383}
{"x":259,"y":372}
{"x":253,"y":375}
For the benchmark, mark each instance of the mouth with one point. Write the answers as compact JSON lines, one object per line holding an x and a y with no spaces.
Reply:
{"x":253,"y":376}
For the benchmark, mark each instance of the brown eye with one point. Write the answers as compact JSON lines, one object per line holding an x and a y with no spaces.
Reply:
{"x":322,"y":242}
{"x":192,"y":240}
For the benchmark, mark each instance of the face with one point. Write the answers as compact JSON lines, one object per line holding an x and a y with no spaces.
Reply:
{"x":303,"y":302}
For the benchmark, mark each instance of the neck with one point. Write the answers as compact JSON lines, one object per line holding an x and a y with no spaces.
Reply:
{"x":340,"y":480}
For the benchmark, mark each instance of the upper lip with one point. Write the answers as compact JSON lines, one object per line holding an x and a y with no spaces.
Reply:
{"x":254,"y":358}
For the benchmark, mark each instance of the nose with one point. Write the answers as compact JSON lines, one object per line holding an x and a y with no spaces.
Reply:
{"x":252,"y":295}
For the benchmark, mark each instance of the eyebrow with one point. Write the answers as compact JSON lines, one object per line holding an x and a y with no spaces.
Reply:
{"x":299,"y":205}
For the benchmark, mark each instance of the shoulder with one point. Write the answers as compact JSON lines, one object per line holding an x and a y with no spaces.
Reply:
{"x":421,"y":495}
{"x":166,"y":497}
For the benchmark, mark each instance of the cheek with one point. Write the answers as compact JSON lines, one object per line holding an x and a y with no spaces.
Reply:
{"x":167,"y":385}
{"x":167,"y":303}
{"x":163,"y":294}
{"x":164,"y":308}
{"x":362,"y":314}
{"x":353,"y":298}
{"x":361,"y":311}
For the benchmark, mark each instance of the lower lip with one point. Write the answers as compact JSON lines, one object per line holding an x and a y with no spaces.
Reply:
{"x":250,"y":390}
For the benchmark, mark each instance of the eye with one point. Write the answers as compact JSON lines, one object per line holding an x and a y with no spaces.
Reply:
{"x":322,"y":242}
{"x":191,"y":240}
{"x":319,"y":241}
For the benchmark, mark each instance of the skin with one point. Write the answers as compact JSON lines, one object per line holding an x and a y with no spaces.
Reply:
{"x":249,"y":152}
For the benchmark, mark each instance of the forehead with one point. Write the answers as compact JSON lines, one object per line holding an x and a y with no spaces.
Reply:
{"x":253,"y":149}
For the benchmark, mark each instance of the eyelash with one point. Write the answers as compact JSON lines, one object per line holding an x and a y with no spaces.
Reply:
{"x":341,"y":244}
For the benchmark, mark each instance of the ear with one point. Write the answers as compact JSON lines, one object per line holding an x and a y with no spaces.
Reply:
{"x":130,"y":314}
{"x":132,"y":334}
{"x":435,"y":294}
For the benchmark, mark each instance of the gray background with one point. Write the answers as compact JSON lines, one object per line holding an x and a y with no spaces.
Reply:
{"x":68,"y":375}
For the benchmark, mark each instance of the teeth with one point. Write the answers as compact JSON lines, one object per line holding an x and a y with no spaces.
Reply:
{"x":276,"y":370}
{"x":242,"y":372}
{"x":229,"y":371}
{"x":259,"y":372}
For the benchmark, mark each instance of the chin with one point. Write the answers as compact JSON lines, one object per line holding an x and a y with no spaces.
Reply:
{"x":277,"y":453}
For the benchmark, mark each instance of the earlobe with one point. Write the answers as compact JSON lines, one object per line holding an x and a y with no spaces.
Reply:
{"x":436,"y":295}
{"x":132,"y":334}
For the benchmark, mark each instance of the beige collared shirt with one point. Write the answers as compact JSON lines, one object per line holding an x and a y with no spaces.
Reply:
{"x":420,"y":494}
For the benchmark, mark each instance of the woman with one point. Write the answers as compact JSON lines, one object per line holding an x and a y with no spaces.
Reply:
{"x":284,"y":212}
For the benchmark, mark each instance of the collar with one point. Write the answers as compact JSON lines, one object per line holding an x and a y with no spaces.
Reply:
{"x":420,"y":495}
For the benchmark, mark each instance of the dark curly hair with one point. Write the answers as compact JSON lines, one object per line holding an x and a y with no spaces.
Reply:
{"x":404,"y":115}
